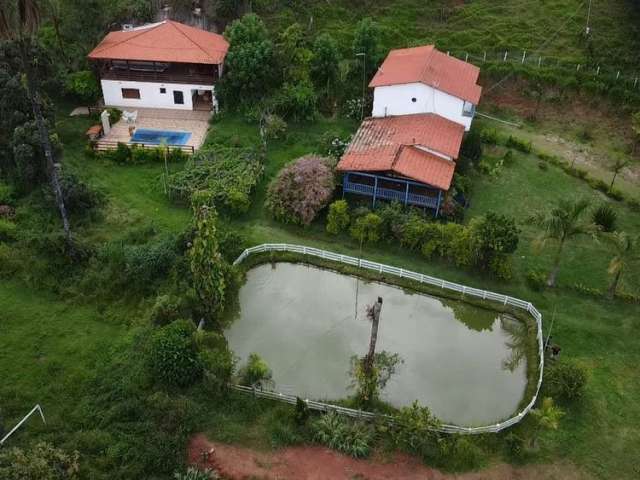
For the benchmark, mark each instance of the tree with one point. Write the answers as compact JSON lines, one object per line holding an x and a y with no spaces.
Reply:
{"x":366,"y":41}
{"x":294,"y":56}
{"x":42,"y":461}
{"x":547,"y":417}
{"x":366,"y":228}
{"x":249,"y":65}
{"x":616,"y":167}
{"x":256,"y":372}
{"x":21,"y":24}
{"x":301,"y":190}
{"x":325,"y":65}
{"x":338,"y":217}
{"x":625,"y":250}
{"x":493,"y":235}
{"x":208,"y":269}
{"x":560,"y":225}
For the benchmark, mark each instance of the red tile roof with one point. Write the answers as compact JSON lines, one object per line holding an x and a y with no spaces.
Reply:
{"x":430,"y":66}
{"x":166,"y":41}
{"x":396,"y":144}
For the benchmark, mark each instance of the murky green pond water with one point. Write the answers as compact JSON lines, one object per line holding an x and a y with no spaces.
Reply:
{"x":465,"y":363}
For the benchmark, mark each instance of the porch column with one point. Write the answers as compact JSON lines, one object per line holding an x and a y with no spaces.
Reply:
{"x":375,"y":190}
{"x":345,"y":180}
{"x":406,"y":195}
{"x":438,"y":206}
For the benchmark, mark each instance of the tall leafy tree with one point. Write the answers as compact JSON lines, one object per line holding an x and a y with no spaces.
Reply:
{"x":19,"y":21}
{"x":625,"y":250}
{"x":325,"y":66}
{"x":249,"y":65}
{"x":561,"y":224}
{"x":366,"y":41}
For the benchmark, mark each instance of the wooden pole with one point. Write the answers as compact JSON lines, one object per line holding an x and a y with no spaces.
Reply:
{"x":375,"y":321}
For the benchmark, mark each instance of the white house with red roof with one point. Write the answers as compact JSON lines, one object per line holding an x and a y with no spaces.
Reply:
{"x":161,"y":65}
{"x":424,"y":101}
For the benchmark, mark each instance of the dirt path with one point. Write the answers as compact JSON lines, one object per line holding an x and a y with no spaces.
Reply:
{"x":318,"y":463}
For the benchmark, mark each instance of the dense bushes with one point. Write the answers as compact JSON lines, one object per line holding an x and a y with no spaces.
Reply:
{"x":605,"y":217}
{"x":79,"y":198}
{"x":301,"y":190}
{"x":220,"y":177}
{"x":173,"y":357}
{"x":486,"y":242}
{"x":565,"y":381}
{"x":256,"y":372}
{"x":340,"y":433}
{"x":83,"y":86}
{"x":133,"y":154}
{"x":42,"y":461}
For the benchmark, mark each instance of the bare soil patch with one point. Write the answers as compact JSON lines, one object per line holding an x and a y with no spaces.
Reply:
{"x":319,"y":463}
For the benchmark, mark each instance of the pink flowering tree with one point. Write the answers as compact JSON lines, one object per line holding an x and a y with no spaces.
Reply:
{"x":301,"y":190}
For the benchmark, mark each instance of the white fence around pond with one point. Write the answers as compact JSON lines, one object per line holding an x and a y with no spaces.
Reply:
{"x":505,"y":300}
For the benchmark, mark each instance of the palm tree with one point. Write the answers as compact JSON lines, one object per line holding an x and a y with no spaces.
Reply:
{"x":547,"y":416}
{"x":19,"y":21}
{"x":560,"y":224}
{"x":625,"y":251}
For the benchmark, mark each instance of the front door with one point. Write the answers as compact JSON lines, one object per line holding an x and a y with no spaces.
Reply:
{"x":178,"y":97}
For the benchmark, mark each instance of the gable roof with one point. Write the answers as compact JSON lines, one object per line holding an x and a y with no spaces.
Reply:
{"x":166,"y":41}
{"x":408,"y":145}
{"x":430,"y":66}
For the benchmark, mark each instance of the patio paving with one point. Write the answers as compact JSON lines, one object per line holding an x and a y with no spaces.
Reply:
{"x":194,"y":121}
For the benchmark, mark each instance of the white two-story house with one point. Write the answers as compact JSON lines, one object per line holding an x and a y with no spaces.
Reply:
{"x":423,"y":102}
{"x":161,"y":65}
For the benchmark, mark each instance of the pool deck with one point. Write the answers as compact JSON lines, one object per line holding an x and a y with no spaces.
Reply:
{"x":194,"y":121}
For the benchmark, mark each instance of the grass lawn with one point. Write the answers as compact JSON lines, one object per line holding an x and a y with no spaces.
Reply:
{"x":599,"y":434}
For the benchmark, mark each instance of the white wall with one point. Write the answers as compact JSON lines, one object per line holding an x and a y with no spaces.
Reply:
{"x":398,"y":100}
{"x":150,"y":96}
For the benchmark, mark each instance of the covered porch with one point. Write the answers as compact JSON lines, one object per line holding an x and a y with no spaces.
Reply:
{"x":384,"y":187}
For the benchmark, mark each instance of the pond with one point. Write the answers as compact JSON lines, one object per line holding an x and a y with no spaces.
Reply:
{"x":467,"y":364}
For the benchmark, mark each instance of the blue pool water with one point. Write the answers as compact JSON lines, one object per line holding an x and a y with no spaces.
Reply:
{"x":155,"y":137}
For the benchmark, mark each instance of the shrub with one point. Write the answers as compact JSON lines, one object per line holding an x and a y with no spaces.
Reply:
{"x":6,"y":194}
{"x":536,"y":280}
{"x":460,"y":453}
{"x":338,"y":217}
{"x":193,"y":473}
{"x":605,"y":217}
{"x":274,"y":127}
{"x":223,"y":177}
{"x":42,"y":461}
{"x":493,"y":235}
{"x":7,"y":230}
{"x":115,"y":114}
{"x":296,"y":101}
{"x":301,"y":413}
{"x":79,"y":198}
{"x":415,"y":231}
{"x":83,"y":85}
{"x":413,"y":431}
{"x":471,"y":149}
{"x":508,"y":158}
{"x":333,"y":145}
{"x":367,"y":228}
{"x":490,"y":137}
{"x":393,"y":217}
{"x":218,"y":361}
{"x":342,"y":434}
{"x":143,"y":264}
{"x":518,"y":144}
{"x":565,"y":381}
{"x":166,"y":309}
{"x":301,"y":190}
{"x":173,"y":356}
{"x":255,"y":372}
{"x":515,"y":446}
{"x":542,"y":165}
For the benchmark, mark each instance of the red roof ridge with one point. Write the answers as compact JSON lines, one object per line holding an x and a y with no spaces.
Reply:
{"x":178,"y":25}
{"x":142,"y":30}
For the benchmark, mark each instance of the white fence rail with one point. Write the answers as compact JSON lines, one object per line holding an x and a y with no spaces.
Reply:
{"x":505,"y":300}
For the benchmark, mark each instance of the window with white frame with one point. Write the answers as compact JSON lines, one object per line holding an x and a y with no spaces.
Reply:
{"x":468,"y":109}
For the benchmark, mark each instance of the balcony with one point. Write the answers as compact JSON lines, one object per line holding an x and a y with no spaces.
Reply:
{"x":160,"y":72}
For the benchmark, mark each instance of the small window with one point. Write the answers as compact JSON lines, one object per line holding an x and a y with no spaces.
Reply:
{"x":468,"y":109}
{"x":163,"y":90}
{"x":178,"y":97}
{"x":414,"y":99}
{"x":132,"y":93}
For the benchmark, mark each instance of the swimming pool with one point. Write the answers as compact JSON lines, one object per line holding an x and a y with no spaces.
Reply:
{"x":156,"y":137}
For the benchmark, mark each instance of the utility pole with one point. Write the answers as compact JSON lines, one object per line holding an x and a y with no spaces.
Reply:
{"x":364,"y":80}
{"x":373,"y":314}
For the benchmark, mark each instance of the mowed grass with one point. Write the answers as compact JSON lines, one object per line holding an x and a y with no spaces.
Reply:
{"x":48,"y":339}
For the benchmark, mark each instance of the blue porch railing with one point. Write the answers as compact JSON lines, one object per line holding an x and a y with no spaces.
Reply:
{"x":406,"y":197}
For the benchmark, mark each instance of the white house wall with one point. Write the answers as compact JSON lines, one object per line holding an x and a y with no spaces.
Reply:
{"x":150,"y":96}
{"x":398,"y":100}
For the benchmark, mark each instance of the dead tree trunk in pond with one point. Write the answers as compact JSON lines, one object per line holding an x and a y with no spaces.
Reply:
{"x":373,"y":313}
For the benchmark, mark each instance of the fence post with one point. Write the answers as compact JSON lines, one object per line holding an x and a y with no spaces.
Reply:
{"x":524,"y":54}
{"x":505,"y":55}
